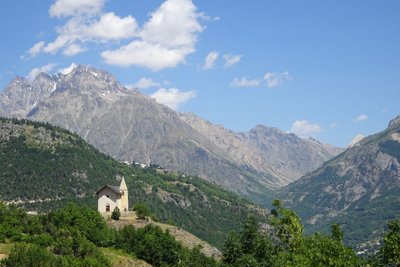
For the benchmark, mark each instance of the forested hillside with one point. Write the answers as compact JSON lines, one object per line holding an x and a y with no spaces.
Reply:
{"x":43,"y":167}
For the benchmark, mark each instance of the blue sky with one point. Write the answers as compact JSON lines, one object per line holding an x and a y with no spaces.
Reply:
{"x":327,"y":69}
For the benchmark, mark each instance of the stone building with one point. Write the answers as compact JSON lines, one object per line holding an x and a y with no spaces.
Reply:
{"x":110,"y":196}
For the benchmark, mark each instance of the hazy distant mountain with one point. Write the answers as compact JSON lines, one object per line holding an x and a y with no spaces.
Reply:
{"x":359,"y":188}
{"x":131,"y":126}
{"x":268,"y":150}
{"x":289,"y":154}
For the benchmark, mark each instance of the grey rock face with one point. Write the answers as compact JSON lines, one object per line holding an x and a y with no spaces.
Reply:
{"x":20,"y":96}
{"x":289,"y":154}
{"x":395,"y":121}
{"x":268,"y":150}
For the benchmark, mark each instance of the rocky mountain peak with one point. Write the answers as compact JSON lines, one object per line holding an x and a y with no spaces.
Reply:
{"x":15,"y":86}
{"x":88,"y":80}
{"x":394,"y":121}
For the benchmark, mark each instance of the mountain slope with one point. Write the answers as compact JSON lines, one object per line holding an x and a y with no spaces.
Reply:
{"x":267,"y":150}
{"x":42,"y":167}
{"x":128,"y":126}
{"x":20,"y":96}
{"x":359,"y":188}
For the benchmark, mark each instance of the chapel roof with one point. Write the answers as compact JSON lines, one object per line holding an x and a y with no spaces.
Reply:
{"x":114,"y":188}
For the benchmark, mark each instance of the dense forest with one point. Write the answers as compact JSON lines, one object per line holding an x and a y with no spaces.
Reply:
{"x":74,"y":236}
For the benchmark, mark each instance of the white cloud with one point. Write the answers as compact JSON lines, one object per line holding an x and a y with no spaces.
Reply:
{"x":245,"y":82}
{"x":36,"y":48}
{"x":72,"y":50}
{"x":34,"y":72}
{"x":165,"y":40}
{"x":209,"y":61}
{"x":385,"y":110}
{"x":152,"y":56}
{"x":68,"y":69}
{"x":66,"y":8}
{"x":86,"y":23}
{"x":172,"y":97}
{"x":111,"y":27}
{"x":231,"y":60}
{"x":360,"y":118}
{"x":305,"y":128}
{"x":274,"y":79}
{"x":174,"y":24}
{"x":145,"y":83}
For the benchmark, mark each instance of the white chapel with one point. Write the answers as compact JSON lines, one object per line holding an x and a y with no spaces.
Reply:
{"x":110,"y":196}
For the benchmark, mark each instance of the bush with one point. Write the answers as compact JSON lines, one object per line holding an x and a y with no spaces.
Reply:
{"x":142,"y":211}
{"x":115,"y":214}
{"x":30,"y":255}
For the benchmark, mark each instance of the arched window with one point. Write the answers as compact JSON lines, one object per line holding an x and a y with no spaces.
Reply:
{"x":107,"y":207}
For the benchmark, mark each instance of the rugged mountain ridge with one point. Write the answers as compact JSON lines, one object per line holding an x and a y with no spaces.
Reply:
{"x":267,"y":149}
{"x":360,"y":187}
{"x":20,"y":96}
{"x":130,"y":126}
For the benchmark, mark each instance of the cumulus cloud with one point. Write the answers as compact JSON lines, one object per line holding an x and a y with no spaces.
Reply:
{"x":149,"y":55}
{"x":275,"y":79}
{"x":165,"y":40}
{"x":209,"y":61}
{"x":360,"y":118}
{"x":68,"y":69}
{"x":145,"y":83}
{"x":231,"y":60}
{"x":245,"y":82}
{"x":85,"y":23}
{"x":35,"y":71}
{"x":174,"y":24}
{"x":173,"y":98}
{"x":305,"y":128}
